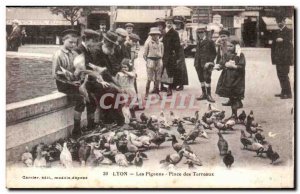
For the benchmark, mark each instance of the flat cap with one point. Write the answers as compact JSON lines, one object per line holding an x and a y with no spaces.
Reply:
{"x":134,"y":37}
{"x":224,"y":32}
{"x":121,"y":32}
{"x":70,"y":31}
{"x":89,"y":33}
{"x":129,"y":25}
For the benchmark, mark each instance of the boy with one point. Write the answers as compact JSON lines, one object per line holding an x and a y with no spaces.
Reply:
{"x":63,"y":73}
{"x":154,"y":51}
{"x":204,"y":62}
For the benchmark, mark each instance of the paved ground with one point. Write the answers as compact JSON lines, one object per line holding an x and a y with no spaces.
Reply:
{"x":272,"y":113}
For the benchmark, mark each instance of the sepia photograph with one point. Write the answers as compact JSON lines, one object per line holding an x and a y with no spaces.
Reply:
{"x":150,"y":97}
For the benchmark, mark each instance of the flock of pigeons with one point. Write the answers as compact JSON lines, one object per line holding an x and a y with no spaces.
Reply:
{"x":126,"y":145}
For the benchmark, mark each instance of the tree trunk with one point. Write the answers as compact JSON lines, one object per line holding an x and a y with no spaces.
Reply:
{"x":72,"y":24}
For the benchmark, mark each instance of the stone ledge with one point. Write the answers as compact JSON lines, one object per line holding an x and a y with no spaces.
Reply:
{"x":20,"y":111}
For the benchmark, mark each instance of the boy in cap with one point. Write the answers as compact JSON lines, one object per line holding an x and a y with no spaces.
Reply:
{"x":63,"y":72}
{"x":204,"y":62}
{"x":14,"y":39}
{"x":153,"y":53}
{"x":135,"y":48}
{"x":121,"y":50}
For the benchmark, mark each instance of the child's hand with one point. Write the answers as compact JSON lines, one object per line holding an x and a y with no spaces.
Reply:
{"x":105,"y":84}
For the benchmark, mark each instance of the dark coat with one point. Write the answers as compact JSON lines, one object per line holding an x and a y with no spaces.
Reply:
{"x":231,"y":82}
{"x":181,"y":75}
{"x":205,"y":52}
{"x":86,"y":53}
{"x":282,"y":53}
{"x":14,"y":39}
{"x":172,"y":47}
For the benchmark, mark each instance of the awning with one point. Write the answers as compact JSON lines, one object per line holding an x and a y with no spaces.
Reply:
{"x":271,"y":23}
{"x":140,"y":15}
{"x":34,"y":16}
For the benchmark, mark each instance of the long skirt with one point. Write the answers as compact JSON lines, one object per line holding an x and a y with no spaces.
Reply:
{"x":181,"y":75}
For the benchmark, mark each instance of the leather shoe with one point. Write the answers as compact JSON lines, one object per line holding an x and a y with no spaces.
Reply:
{"x":227,"y":103}
{"x":285,"y":96}
{"x":278,"y":95}
{"x":202,"y":97}
{"x":210,"y":99}
{"x":179,"y":88}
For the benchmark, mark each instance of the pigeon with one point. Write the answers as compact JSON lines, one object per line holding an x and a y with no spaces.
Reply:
{"x":83,"y":152}
{"x":192,"y":135}
{"x":242,"y":117}
{"x":222,"y":145}
{"x":273,"y":156}
{"x":228,"y":159}
{"x":27,"y":158}
{"x":40,"y":160}
{"x":138,"y":159}
{"x":244,"y":140}
{"x":180,"y":128}
{"x":65,"y":156}
{"x":175,"y":120}
{"x":143,"y":118}
{"x":121,"y":160}
{"x":158,"y":139}
{"x":173,"y":159}
{"x":259,"y":137}
{"x":192,"y":120}
{"x":220,"y":115}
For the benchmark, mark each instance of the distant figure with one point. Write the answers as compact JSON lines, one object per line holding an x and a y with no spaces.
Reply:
{"x":24,"y":35}
{"x":136,"y":47}
{"x":14,"y":39}
{"x":282,"y":56}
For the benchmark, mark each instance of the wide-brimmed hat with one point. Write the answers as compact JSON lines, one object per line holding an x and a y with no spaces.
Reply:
{"x":129,"y":25}
{"x":154,"y":30}
{"x":179,"y":19}
{"x":70,"y":31}
{"x":121,"y":32}
{"x":169,"y":18}
{"x":224,"y":32}
{"x":201,"y":29}
{"x":111,"y":37}
{"x":134,"y":37}
{"x":89,"y":33}
{"x":160,"y":20}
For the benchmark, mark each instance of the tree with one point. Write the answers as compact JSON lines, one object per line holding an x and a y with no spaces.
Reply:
{"x":70,"y":13}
